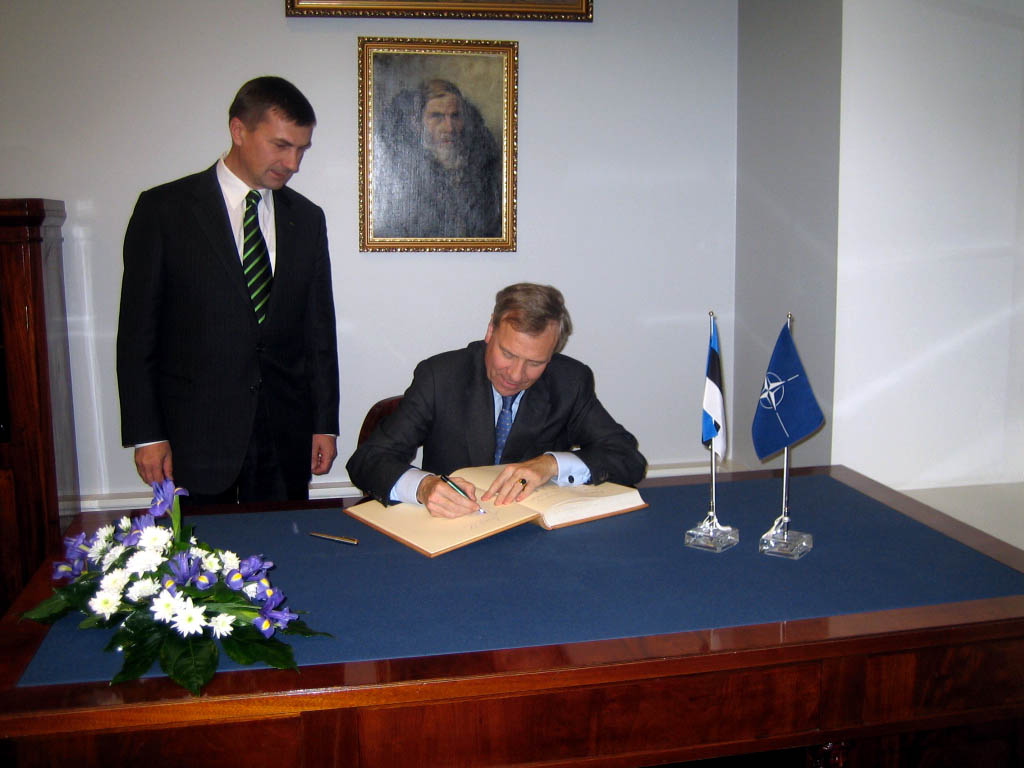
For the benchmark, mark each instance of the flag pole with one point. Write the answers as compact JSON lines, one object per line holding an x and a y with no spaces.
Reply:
{"x":779,"y":540}
{"x":712,"y":515}
{"x":785,"y":465}
{"x":710,"y":534}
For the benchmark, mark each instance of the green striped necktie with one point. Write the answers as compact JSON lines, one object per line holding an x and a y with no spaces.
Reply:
{"x":255,"y":258}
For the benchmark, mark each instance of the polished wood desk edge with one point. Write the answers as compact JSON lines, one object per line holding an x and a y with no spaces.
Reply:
{"x":45,"y":709}
{"x":356,"y":685}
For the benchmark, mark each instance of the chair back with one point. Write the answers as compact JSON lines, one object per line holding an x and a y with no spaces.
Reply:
{"x":377,"y":413}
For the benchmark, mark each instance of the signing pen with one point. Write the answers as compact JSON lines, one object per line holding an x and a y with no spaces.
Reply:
{"x":459,"y":491}
{"x":342,"y":539}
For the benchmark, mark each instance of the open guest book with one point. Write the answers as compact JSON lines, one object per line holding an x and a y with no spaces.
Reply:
{"x":550,"y":506}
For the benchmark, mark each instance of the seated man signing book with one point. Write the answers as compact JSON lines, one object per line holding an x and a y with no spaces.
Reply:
{"x":511,"y":399}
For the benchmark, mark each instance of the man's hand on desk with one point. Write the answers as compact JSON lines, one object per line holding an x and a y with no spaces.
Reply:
{"x":517,"y":481}
{"x":441,"y":500}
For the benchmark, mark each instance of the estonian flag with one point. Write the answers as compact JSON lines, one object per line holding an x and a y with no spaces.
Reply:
{"x":787,"y":411}
{"x":713,"y":423}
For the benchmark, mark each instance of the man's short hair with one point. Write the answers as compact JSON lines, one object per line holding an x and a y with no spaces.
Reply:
{"x":269,"y":92}
{"x":530,"y":308}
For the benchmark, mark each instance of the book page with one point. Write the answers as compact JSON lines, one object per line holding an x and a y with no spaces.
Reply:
{"x":561,"y":505}
{"x":415,"y":526}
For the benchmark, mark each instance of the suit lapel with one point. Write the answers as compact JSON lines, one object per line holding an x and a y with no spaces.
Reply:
{"x":531,"y":417}
{"x":479,"y":409}
{"x":284,"y":234}
{"x":208,"y":207}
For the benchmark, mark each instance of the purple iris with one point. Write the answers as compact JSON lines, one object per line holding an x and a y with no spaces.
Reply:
{"x":271,"y":618}
{"x":139,"y":524}
{"x":163,"y":497}
{"x":254,"y":564}
{"x":234,"y":580}
{"x":264,"y":589}
{"x":169,"y":585}
{"x":68,"y":570}
{"x":205,"y":580}
{"x":184,"y":568}
{"x":254,"y":567}
{"x":75,"y":548}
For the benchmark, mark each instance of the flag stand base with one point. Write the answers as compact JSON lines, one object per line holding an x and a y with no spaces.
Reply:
{"x":711,"y":536}
{"x":785,"y":543}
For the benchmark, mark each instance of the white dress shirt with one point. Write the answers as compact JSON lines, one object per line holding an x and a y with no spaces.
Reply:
{"x":234,"y":191}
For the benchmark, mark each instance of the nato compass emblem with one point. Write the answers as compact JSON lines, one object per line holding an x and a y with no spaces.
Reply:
{"x":772,"y":392}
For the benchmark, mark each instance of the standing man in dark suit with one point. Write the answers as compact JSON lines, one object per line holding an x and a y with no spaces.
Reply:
{"x":227,"y":359}
{"x":511,"y":399}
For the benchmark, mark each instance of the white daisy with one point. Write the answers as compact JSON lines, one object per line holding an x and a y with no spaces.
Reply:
{"x":189,"y":618}
{"x":144,"y":561}
{"x":221,"y":624}
{"x":125,"y":523}
{"x":115,"y":580}
{"x":211,"y":562}
{"x":164,"y":606}
{"x":251,"y":589}
{"x":141,"y":589}
{"x":229,"y":559}
{"x":97,"y":550}
{"x":105,"y":603}
{"x":111,"y":557}
{"x":155,"y":538}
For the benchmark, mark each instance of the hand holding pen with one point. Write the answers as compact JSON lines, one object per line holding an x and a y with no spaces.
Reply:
{"x":447,"y":497}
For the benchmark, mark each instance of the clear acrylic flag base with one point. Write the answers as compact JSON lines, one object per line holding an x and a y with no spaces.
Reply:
{"x":779,"y":541}
{"x":712,"y":536}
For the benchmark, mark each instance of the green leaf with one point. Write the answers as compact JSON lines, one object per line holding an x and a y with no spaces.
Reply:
{"x":176,"y":518}
{"x":247,"y":646}
{"x":299,"y":627}
{"x":140,"y":650}
{"x":189,"y":661}
{"x":49,"y":610}
{"x":79,"y":592}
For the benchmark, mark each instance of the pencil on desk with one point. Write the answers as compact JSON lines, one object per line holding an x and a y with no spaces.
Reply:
{"x":342,"y":539}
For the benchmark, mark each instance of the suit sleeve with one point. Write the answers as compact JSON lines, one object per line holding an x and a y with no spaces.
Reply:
{"x":604,"y":445}
{"x":322,"y":339}
{"x":138,"y":328}
{"x":377,"y":464}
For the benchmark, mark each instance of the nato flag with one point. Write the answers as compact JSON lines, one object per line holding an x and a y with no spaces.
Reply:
{"x":787,"y":411}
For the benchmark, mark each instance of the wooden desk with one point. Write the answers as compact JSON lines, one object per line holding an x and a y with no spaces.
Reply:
{"x":864,"y":679}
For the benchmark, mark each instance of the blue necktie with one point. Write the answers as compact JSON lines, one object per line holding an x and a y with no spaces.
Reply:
{"x":503,"y":427}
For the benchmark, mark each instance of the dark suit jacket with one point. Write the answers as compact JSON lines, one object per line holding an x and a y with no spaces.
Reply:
{"x":191,"y":359}
{"x":449,"y":410}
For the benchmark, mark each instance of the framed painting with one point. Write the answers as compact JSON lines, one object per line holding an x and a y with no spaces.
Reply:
{"x":437,"y":144}
{"x":516,"y":10}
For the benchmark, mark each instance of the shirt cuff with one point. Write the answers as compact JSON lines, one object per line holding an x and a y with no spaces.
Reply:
{"x":571,"y":469}
{"x":404,"y":489}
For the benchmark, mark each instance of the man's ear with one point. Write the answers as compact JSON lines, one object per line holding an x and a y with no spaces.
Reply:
{"x":237,"y":129}
{"x":490,"y":330}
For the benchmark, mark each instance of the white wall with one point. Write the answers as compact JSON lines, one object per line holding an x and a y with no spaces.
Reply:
{"x":627,"y":134}
{"x":929,"y":383}
{"x":627,"y":140}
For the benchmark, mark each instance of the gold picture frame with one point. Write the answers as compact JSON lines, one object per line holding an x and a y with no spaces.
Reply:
{"x":514,"y":10}
{"x":437,"y":144}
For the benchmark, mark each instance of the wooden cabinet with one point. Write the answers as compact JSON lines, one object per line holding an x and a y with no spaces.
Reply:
{"x":38,"y":462}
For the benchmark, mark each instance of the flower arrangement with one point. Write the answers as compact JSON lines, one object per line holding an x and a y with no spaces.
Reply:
{"x":171,"y":598}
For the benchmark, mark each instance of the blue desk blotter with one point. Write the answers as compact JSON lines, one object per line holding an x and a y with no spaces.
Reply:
{"x":624,"y":576}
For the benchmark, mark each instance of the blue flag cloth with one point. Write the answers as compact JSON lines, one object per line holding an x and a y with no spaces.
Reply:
{"x":713,"y":422}
{"x":787,"y":411}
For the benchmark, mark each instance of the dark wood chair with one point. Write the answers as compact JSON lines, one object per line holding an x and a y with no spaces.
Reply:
{"x":377,"y":413}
